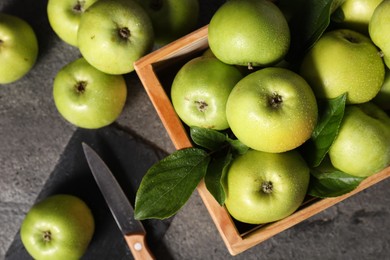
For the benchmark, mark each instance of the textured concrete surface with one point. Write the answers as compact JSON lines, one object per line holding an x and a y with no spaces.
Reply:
{"x":33,"y":136}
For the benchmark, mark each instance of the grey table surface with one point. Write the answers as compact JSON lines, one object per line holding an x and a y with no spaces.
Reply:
{"x":33,"y":136}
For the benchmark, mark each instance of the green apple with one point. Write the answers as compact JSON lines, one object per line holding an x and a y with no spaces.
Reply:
{"x":64,"y":17}
{"x":272,"y":110}
{"x":113,"y":34}
{"x":362,"y":146}
{"x":18,"y":48}
{"x":58,"y":227}
{"x":249,"y":33}
{"x":87,"y":97}
{"x":265,"y":187}
{"x":379,"y":27}
{"x":382,"y":99}
{"x":344,"y":61}
{"x":355,"y":14}
{"x":200,"y":90}
{"x":171,"y":18}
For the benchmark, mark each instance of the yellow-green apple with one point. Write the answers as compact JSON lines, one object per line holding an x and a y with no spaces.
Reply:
{"x":200,"y":90}
{"x":64,"y":17}
{"x":379,"y":28}
{"x":113,"y":34}
{"x":355,"y":14}
{"x":249,"y":33}
{"x":87,"y":97}
{"x":344,"y":61}
{"x":265,"y":187}
{"x":272,"y":110}
{"x":171,"y":18}
{"x":18,"y":48}
{"x":362,"y":146}
{"x":58,"y":227}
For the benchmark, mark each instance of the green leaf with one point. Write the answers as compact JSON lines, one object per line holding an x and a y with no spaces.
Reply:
{"x":168,"y":184}
{"x":214,"y":176}
{"x":331,"y":114}
{"x":207,"y":138}
{"x":326,"y":181}
{"x":308,"y":21}
{"x":237,"y":146}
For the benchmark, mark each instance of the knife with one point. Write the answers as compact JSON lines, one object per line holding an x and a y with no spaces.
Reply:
{"x":120,"y":207}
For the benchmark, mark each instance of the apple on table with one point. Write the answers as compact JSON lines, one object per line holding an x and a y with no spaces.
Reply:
{"x":64,"y":17}
{"x":59,"y":227}
{"x":87,"y":97}
{"x":113,"y":34}
{"x":18,"y":48}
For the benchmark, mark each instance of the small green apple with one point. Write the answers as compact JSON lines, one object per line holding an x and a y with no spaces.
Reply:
{"x":362,"y":146}
{"x":379,"y":27}
{"x":344,"y":61}
{"x":18,"y":48}
{"x":113,"y":34}
{"x":249,"y":33}
{"x":171,"y":18}
{"x":382,"y":99}
{"x":200,"y":90}
{"x":64,"y":17}
{"x":355,"y":14}
{"x":265,"y":187}
{"x":87,"y":97}
{"x":59,"y":227}
{"x":272,"y":110}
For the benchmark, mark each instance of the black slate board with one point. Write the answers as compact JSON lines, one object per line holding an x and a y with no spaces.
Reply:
{"x":129,"y":158}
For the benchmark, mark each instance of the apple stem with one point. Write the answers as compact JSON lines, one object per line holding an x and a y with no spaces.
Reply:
{"x":267,"y":187}
{"x":78,"y":8}
{"x":250,"y":67}
{"x":47,"y":236}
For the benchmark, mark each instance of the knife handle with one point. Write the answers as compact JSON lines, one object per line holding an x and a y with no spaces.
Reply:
{"x":138,"y":247}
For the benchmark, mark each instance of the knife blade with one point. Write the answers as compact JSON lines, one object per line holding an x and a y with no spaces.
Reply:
{"x":119,"y":205}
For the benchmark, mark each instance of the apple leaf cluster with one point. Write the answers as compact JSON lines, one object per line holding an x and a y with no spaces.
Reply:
{"x":169,"y":183}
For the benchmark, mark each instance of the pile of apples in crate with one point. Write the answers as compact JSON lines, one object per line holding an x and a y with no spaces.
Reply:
{"x":289,"y":101}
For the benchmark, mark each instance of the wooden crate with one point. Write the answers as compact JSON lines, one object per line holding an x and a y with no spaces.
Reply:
{"x":156,"y":72}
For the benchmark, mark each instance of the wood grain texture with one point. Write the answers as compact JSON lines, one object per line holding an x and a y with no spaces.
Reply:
{"x":138,"y":247}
